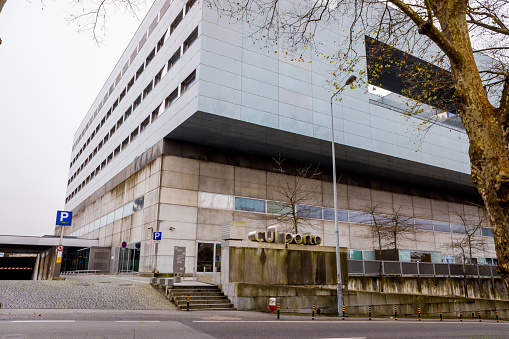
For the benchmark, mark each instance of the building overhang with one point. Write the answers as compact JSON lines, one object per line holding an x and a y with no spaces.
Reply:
{"x":231,"y":134}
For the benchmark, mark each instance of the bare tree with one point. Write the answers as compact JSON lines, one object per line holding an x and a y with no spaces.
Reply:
{"x":469,"y":240}
{"x":467,"y":38}
{"x":387,"y":230}
{"x":295,"y":189}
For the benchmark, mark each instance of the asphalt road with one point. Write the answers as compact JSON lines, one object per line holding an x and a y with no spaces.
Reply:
{"x":227,"y":324}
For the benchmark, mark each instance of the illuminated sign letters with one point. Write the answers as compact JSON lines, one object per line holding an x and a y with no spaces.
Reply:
{"x":272,"y":235}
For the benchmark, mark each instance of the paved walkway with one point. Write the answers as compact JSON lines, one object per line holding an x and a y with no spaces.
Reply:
{"x":83,"y":292}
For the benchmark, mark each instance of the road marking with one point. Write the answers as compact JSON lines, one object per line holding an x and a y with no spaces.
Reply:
{"x":44,"y":321}
{"x":137,"y":321}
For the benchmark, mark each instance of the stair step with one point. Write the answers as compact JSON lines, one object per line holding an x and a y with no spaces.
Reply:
{"x":200,"y":297}
{"x":207,"y":306}
{"x":198,"y":302}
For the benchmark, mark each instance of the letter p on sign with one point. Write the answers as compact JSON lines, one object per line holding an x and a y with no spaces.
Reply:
{"x":64,"y":218}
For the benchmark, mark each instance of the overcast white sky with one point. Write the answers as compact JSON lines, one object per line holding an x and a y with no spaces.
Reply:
{"x":49,"y":76}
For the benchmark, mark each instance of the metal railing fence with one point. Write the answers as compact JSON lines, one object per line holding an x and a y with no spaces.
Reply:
{"x":400,"y":268}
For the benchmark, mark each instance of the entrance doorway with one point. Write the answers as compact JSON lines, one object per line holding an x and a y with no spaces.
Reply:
{"x":129,"y":258}
{"x":209,"y":257}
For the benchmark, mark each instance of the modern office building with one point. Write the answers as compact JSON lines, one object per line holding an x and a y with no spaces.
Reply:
{"x":182,"y":136}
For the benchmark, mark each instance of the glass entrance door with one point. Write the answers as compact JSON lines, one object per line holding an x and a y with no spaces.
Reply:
{"x":209,"y":257}
{"x":129,"y":259}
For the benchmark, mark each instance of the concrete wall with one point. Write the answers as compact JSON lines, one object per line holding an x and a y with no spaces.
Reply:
{"x":277,"y":265}
{"x":47,"y":264}
{"x":300,"y":299}
{"x":178,"y":191}
{"x":483,"y":288}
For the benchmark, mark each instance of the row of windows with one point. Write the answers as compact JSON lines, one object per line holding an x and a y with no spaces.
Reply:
{"x":181,"y":89}
{"x":140,"y":70}
{"x":187,"y":44}
{"x":128,"y":209}
{"x":220,"y":201}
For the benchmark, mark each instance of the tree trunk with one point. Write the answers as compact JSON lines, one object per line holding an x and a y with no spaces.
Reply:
{"x":485,"y":126}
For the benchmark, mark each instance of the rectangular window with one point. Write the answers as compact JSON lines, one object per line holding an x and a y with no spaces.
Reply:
{"x":150,"y":57}
{"x":122,"y":94}
{"x":158,"y":77}
{"x":134,"y":134}
{"x":112,"y":130}
{"x":127,"y":113}
{"x":176,"y":22}
{"x":440,"y":226}
{"x":103,"y":164}
{"x":147,"y":90}
{"x":174,"y":58}
{"x":125,"y":143}
{"x":276,"y":207}
{"x":161,"y":42}
{"x":144,"y":124}
{"x":360,"y":217}
{"x":251,"y":205}
{"x":120,"y":122}
{"x":355,"y":254}
{"x":115,"y":104}
{"x":312,"y":212}
{"x":110,"y":157}
{"x":140,"y":70}
{"x":186,"y":84}
{"x":487,"y":232}
{"x":106,"y":138}
{"x":130,"y":84}
{"x":136,"y":103}
{"x":171,"y":98}
{"x":457,"y":228}
{"x":191,"y":39}
{"x":190,"y":4}
{"x":328,"y":214}
{"x":116,"y":151}
{"x":138,"y":204}
{"x":423,"y":224}
{"x":155,"y":114}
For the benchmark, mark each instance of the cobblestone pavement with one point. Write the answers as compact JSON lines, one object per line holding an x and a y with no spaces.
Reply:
{"x":83,"y":292}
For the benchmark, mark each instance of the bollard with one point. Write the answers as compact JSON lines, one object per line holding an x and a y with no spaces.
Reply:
{"x":496,"y":315}
{"x":461,"y":315}
{"x":369,"y":312}
{"x":188,"y":297}
{"x":395,"y":312}
{"x":479,"y":314}
{"x":419,"y":312}
{"x":278,"y":307}
{"x":440,"y":314}
{"x":313,"y":315}
{"x":344,"y":308}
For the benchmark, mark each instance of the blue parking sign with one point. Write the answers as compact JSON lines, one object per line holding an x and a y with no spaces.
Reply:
{"x":158,"y":235}
{"x":64,"y":218}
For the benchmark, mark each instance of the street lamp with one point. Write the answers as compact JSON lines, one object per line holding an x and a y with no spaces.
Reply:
{"x":350,"y":80}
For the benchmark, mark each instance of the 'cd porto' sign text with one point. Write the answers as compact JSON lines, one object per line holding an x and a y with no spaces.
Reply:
{"x":272,"y":235}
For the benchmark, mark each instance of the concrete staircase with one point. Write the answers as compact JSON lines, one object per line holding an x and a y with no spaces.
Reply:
{"x":200,"y":298}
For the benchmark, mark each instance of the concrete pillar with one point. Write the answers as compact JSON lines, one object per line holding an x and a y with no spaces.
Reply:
{"x":35,"y":271}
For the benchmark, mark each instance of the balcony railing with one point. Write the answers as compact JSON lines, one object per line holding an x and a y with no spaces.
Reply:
{"x":400,"y":268}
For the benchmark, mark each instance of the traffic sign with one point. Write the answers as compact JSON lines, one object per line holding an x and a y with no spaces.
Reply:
{"x":138,"y":245}
{"x":124,"y":244}
{"x":60,"y":248}
{"x":158,"y":235}
{"x":64,"y":218}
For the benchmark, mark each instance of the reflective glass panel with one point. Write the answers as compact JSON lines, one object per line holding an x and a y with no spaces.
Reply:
{"x":312,"y":212}
{"x":252,"y":205}
{"x":440,"y":226}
